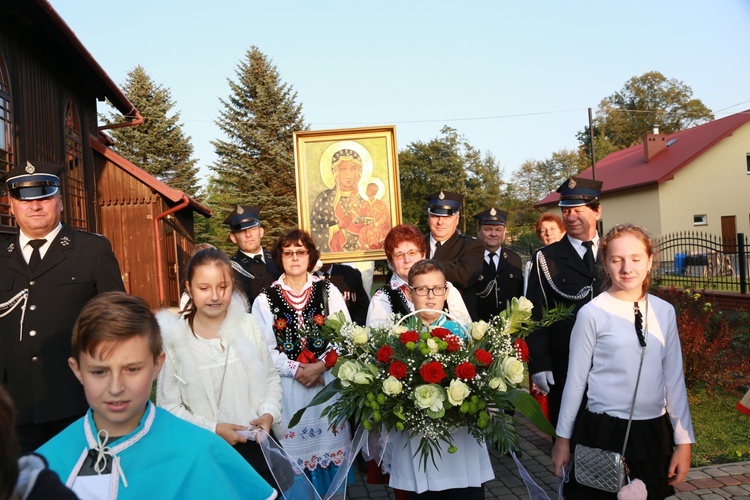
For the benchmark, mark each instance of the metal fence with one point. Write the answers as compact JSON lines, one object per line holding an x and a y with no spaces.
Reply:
{"x":697,"y":260}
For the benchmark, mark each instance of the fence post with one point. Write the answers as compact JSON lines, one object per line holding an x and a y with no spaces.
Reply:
{"x":742,"y":263}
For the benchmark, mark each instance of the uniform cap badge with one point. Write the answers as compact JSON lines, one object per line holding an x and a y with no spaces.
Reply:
{"x":30,"y":169}
{"x":572,"y":183}
{"x":493,"y":212}
{"x":441,"y":196}
{"x":239,"y":210}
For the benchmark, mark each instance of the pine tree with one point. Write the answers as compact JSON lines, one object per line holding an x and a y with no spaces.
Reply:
{"x":255,"y":164}
{"x":159,"y":145}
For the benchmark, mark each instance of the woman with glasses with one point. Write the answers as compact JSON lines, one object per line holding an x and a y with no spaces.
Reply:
{"x":290,"y":312}
{"x":404,"y":245}
{"x":620,"y":333}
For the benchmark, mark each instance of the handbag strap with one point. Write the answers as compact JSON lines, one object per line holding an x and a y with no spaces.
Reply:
{"x":637,"y":382}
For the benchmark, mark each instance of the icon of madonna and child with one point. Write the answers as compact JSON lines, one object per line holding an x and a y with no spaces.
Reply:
{"x":350,"y":215}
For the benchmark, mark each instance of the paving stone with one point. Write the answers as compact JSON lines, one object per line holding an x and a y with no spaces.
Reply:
{"x":736,"y":491}
{"x":684,"y":486}
{"x":728,"y":480}
{"x":736,"y":469}
{"x":708,"y":482}
{"x":686,"y":495}
{"x":712,"y":496}
{"x":714,"y":471}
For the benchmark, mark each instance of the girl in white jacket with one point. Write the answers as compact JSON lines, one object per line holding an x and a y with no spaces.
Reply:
{"x":218,"y":373}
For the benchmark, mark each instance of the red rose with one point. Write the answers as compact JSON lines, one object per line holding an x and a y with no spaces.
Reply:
{"x":319,"y":319}
{"x":440,"y":332}
{"x":453,"y":343}
{"x":432,"y":372}
{"x":398,"y":370}
{"x":384,"y":354}
{"x":410,"y":336}
{"x":331,"y":358}
{"x":466,"y":371}
{"x":484,"y":358}
{"x":522,"y":349}
{"x":306,"y":357}
{"x":280,"y":324}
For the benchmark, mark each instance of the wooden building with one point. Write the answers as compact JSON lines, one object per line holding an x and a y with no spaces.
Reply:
{"x":49,"y":88}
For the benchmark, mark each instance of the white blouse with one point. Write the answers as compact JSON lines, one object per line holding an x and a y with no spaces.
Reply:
{"x":380,"y":307}
{"x":605,"y":354}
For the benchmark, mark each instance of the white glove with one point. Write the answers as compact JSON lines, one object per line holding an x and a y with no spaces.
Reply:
{"x":543,"y":380}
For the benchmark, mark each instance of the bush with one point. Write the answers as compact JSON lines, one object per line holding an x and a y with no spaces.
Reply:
{"x":711,"y":357}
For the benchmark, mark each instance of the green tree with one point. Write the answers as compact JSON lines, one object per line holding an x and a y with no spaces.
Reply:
{"x":448,"y":163}
{"x":624,"y":117}
{"x":159,"y":145}
{"x":255,"y":164}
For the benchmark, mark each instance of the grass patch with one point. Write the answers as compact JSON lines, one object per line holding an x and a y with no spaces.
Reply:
{"x":722,"y":433}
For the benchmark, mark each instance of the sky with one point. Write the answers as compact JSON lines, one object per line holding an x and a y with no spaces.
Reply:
{"x":515,"y":78}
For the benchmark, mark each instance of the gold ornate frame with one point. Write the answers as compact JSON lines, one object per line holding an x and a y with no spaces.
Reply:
{"x":348,"y":226}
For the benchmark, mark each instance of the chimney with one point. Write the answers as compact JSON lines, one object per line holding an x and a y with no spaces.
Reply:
{"x":653,"y":144}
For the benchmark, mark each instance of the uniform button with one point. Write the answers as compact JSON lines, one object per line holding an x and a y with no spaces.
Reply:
{"x":32,"y":307}
{"x":32,"y":333}
{"x":73,"y":278}
{"x":32,"y":283}
{"x":34,"y":359}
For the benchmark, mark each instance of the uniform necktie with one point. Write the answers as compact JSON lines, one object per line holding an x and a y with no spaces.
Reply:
{"x":36,"y":256}
{"x":258,"y":258}
{"x":588,"y":257}
{"x":491,"y":256}
{"x":438,"y":244}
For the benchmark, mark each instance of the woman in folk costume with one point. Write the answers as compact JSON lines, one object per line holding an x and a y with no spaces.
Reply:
{"x":218,"y":373}
{"x":290,"y":313}
{"x":623,"y":334}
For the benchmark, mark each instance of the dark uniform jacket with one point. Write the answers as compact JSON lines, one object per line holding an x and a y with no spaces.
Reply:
{"x":495,"y":289}
{"x":252,"y":276}
{"x":462,"y":257}
{"x":572,"y":284}
{"x":34,"y":354}
{"x":349,"y":282}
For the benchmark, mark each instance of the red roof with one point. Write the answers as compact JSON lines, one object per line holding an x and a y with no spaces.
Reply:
{"x":627,"y":168}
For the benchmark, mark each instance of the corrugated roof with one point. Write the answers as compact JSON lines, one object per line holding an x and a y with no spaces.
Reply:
{"x":627,"y":168}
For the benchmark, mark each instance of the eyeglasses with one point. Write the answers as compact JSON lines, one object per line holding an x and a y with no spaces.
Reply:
{"x":639,"y":324}
{"x":423,"y":291}
{"x":288,"y":254}
{"x":411,"y":253}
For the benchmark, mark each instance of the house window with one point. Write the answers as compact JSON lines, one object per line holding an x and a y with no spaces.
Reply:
{"x":76,"y":189}
{"x":6,"y":142}
{"x":700,"y":220}
{"x":747,"y":159}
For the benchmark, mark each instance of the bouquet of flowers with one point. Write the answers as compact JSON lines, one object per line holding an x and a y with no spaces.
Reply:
{"x":429,"y":380}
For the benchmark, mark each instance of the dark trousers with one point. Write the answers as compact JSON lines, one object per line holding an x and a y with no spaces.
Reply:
{"x":471,"y":493}
{"x":32,"y":436}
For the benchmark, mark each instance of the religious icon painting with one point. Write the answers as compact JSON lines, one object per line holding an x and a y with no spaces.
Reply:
{"x":348,"y":190}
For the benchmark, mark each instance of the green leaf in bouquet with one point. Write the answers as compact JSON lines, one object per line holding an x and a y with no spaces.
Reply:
{"x":560,"y":312}
{"x":321,"y":397}
{"x":529,"y":408}
{"x":500,"y":430}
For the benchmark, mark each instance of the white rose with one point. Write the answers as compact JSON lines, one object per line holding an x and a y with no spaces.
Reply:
{"x":392,"y":386}
{"x":457,"y":392}
{"x":347,"y":371}
{"x":525,"y":305}
{"x":398,"y":330}
{"x":429,"y":397}
{"x":497,"y":383}
{"x":362,"y":378}
{"x":513,"y":370}
{"x":479,"y":329}
{"x":433,"y":345}
{"x":361,"y":335}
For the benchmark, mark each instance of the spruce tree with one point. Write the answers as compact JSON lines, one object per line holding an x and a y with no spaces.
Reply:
{"x":255,"y":164}
{"x":159,"y":145}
